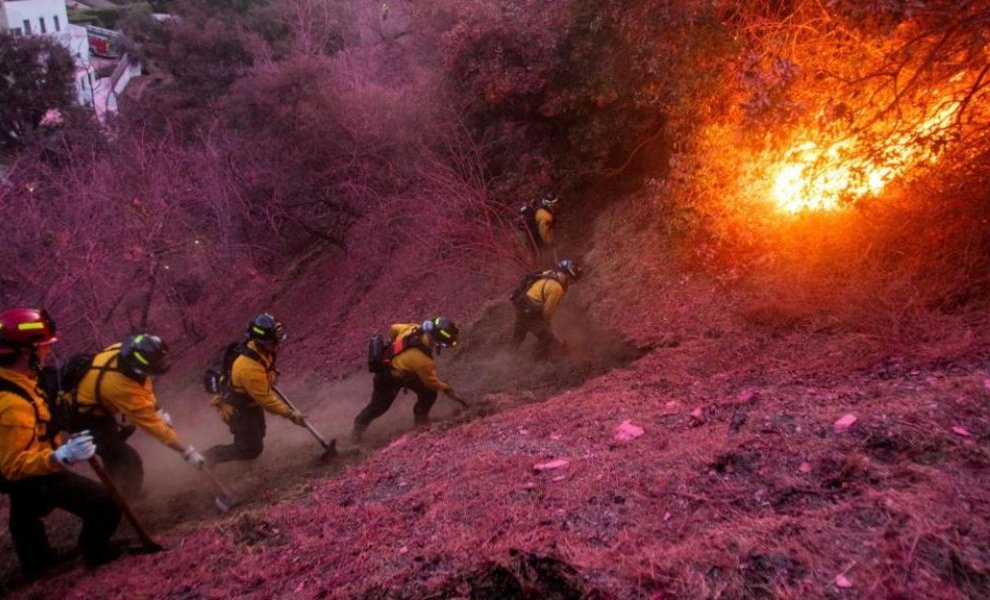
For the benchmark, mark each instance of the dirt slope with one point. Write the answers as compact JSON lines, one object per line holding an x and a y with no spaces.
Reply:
{"x":738,"y":487}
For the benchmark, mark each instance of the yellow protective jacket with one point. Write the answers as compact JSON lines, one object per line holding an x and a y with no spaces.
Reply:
{"x":544,"y":224}
{"x":547,"y":294}
{"x":414,"y":363}
{"x":25,"y":450}
{"x":119,"y":394}
{"x":255,"y":380}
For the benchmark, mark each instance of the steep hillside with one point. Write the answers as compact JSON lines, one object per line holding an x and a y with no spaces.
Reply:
{"x":776,"y":380}
{"x":686,"y":450}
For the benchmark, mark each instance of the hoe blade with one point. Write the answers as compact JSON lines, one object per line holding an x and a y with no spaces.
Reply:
{"x":224,"y":504}
{"x":330,"y":451}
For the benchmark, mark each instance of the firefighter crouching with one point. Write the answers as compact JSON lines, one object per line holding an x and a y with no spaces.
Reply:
{"x":118,"y":384}
{"x":251,"y":377}
{"x":407,"y":362}
{"x":32,"y":465}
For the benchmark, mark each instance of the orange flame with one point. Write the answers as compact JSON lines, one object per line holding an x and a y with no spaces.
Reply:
{"x":817,"y":177}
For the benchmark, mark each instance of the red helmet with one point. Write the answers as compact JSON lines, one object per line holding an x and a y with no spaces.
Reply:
{"x":25,"y":328}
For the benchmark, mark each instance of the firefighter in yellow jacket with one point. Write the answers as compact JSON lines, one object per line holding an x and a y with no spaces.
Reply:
{"x":252,"y":376}
{"x":115,"y":396}
{"x":538,"y":222}
{"x":536,"y":302}
{"x":544,"y":218}
{"x":409,"y":364}
{"x":32,"y":464}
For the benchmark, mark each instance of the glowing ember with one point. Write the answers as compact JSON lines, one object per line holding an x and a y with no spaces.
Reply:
{"x":821,"y":178}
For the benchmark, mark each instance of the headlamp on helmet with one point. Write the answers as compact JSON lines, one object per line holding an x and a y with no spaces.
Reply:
{"x":570,"y":268}
{"x":443,"y":331}
{"x":266,"y":329}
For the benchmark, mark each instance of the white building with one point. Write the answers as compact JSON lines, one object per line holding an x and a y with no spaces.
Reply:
{"x":27,"y":17}
{"x":50,"y":18}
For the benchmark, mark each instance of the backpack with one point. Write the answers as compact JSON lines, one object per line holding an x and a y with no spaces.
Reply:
{"x":380,"y":354}
{"x":526,"y":218}
{"x":60,"y":385}
{"x":217,"y":379}
{"x":377,"y":349}
{"x":519,"y":298}
{"x":526,"y":221}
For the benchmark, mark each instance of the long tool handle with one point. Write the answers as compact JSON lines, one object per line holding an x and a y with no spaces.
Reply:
{"x":458,"y":400}
{"x":146,"y":541}
{"x":216,"y":482}
{"x":306,"y":423}
{"x":225,"y":501}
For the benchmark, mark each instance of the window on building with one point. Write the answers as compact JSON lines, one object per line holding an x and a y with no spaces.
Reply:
{"x":15,"y":31}
{"x":41,"y":25}
{"x":55,"y":23}
{"x":27,"y":27}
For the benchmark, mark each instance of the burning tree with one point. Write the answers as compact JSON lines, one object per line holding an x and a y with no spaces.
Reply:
{"x":895,"y":89}
{"x":850,"y":153}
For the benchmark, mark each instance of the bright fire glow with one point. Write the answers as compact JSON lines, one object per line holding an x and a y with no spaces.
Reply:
{"x":823,"y":177}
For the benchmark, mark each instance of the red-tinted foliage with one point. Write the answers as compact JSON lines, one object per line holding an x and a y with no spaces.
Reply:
{"x":38,"y":76}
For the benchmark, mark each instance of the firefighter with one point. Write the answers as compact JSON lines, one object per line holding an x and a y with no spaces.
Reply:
{"x":32,"y":464}
{"x":409,"y":365}
{"x":115,"y":396}
{"x":252,"y":375}
{"x":538,"y":220}
{"x":536,"y":301}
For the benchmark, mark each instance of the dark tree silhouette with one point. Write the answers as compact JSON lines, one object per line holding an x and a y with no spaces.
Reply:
{"x":35,"y":76}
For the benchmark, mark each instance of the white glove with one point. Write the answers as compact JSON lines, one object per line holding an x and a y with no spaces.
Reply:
{"x":79,"y":447}
{"x":165,"y":417}
{"x":297,"y":418}
{"x":194,"y":458}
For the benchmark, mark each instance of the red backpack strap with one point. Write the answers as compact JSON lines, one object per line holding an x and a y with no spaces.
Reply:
{"x":413,"y":339}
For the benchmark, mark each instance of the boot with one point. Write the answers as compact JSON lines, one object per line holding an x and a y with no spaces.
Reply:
{"x":113,"y":550}
{"x":59,"y":561}
{"x":356,"y":435}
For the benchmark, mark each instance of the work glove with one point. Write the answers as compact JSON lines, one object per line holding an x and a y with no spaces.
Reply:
{"x":165,"y":417}
{"x":80,"y":447}
{"x":194,"y":458}
{"x":226,"y":410}
{"x":298,"y":418}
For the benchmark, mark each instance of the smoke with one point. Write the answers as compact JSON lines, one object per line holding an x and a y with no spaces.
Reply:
{"x":175,"y":492}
